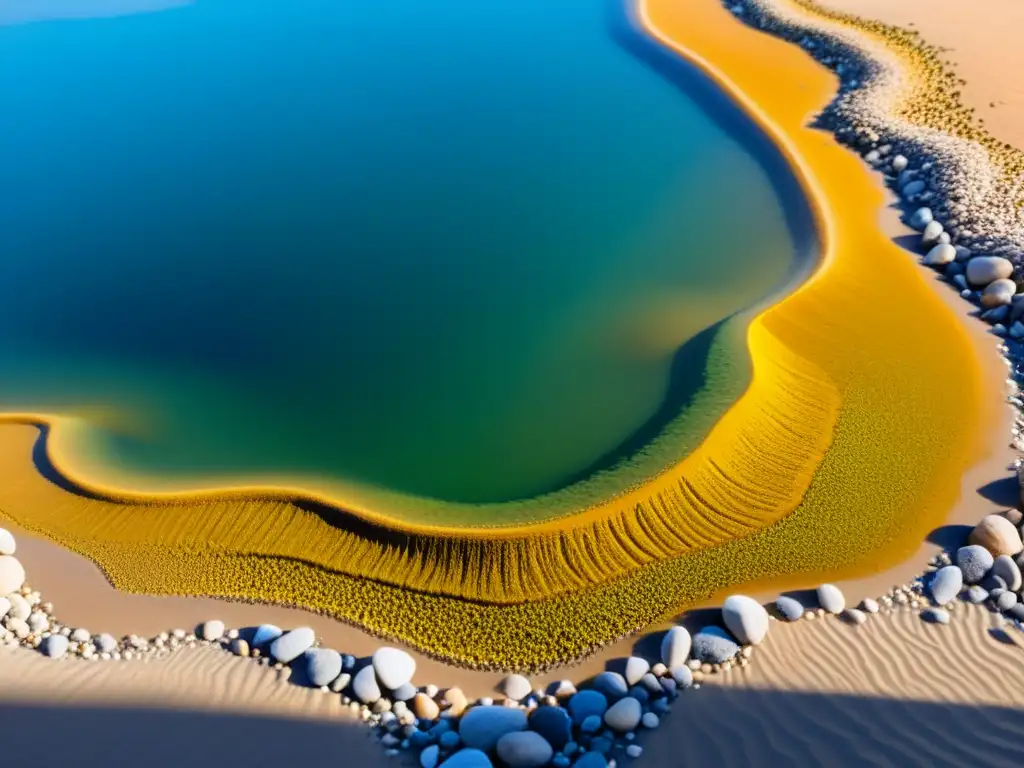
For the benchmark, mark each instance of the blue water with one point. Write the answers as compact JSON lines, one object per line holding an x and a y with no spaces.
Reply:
{"x":446,"y":248}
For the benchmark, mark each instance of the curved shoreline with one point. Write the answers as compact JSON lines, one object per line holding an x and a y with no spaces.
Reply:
{"x":805,"y":542}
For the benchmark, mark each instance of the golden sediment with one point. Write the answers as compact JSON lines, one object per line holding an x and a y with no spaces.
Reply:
{"x":847,"y":447}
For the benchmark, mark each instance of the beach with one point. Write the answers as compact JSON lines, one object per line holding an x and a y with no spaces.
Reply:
{"x":895,"y":690}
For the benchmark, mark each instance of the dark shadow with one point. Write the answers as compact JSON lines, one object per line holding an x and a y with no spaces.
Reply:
{"x":950,"y":537}
{"x":1005,"y":491}
{"x":1001,"y":635}
{"x":91,"y":736}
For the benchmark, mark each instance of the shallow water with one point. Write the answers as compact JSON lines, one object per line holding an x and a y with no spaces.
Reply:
{"x":451,"y":250}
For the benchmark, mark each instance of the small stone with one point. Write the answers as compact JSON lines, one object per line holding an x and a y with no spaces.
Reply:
{"x":624,"y":715}
{"x":456,"y":701}
{"x":931,"y":234}
{"x":1006,"y":601}
{"x":323,"y":666}
{"x":365,"y":687}
{"x":982,"y":270}
{"x":591,"y":760}
{"x":789,"y":608}
{"x":12,"y":575}
{"x":7,"y":544}
{"x":591,"y":724}
{"x":18,"y":627}
{"x":38,"y":622}
{"x":394,"y":667}
{"x":105,"y":643}
{"x":976,"y":595}
{"x":998,"y":535}
{"x":913,"y":188}
{"x":587,"y":703}
{"x":54,"y":646}
{"x":899,"y":163}
{"x":650,"y":720}
{"x":264,"y":635}
{"x":429,"y":757}
{"x":481,"y":727}
{"x":675,"y":646}
{"x":920,"y":219}
{"x":974,"y":561}
{"x":239,"y":647}
{"x":946,"y":584}
{"x":713,"y":645}
{"x":554,"y":724}
{"x":854,"y":616}
{"x":659,"y":670}
{"x":524,"y":749}
{"x":424,"y":707}
{"x":869,"y":605}
{"x":404,"y":692}
{"x":935,"y":616}
{"x":516,"y":687}
{"x":940,"y":255}
{"x":211,"y":630}
{"x":998,"y":293}
{"x":682,"y":675}
{"x":1006,"y":568}
{"x":468,"y":758}
{"x":745,"y":618}
{"x":562,"y":689}
{"x":289,"y":646}
{"x":80,"y":636}
{"x":611,"y":684}
{"x":636,"y":668}
{"x":830,"y":597}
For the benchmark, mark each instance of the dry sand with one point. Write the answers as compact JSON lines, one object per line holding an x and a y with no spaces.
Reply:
{"x":893,"y":692}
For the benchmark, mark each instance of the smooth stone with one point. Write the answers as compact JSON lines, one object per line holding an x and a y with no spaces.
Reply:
{"x":80,"y":635}
{"x":20,"y":609}
{"x":481,"y":727}
{"x":449,"y":740}
{"x":291,"y":645}
{"x":12,"y":575}
{"x":323,"y":666}
{"x":998,"y":293}
{"x":341,"y":682}
{"x":394,"y":667}
{"x":211,"y":630}
{"x":591,"y":760}
{"x":790,"y":608}
{"x":424,"y":707}
{"x":404,"y":692}
{"x":899,"y":163}
{"x":239,"y":647}
{"x":1006,"y":568}
{"x":516,"y":687}
{"x":585,"y":704}
{"x":921,"y":218}
{"x":429,"y":756}
{"x":18,"y":627}
{"x":651,"y":683}
{"x":869,"y":605}
{"x":650,"y":720}
{"x":939,"y":255}
{"x":611,"y":684}
{"x":524,"y":749}
{"x":975,"y":561}
{"x":913,"y":188}
{"x":456,"y":701}
{"x":1006,"y":601}
{"x":675,"y":647}
{"x":831,"y":598}
{"x":745,"y":618}
{"x":982,"y":270}
{"x":713,"y":645}
{"x":998,"y":535}
{"x":5,"y":606}
{"x":976,"y":595}
{"x":963,"y":253}
{"x":946,"y":584}
{"x":265,"y":634}
{"x":553,"y":723}
{"x":1017,"y":612}
{"x":364,"y":685}
{"x":105,"y":643}
{"x":634,"y":751}
{"x":640,"y":693}
{"x":930,"y":235}
{"x":682,"y":675}
{"x":935,"y":616}
{"x":38,"y":623}
{"x":7,"y":543}
{"x":591,"y":724}
{"x":54,"y":646}
{"x":854,"y":616}
{"x":624,"y":715}
{"x":468,"y":758}
{"x":562,"y":689}
{"x":636,"y":668}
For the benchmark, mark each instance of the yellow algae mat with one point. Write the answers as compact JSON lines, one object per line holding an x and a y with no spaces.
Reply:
{"x":845,"y":450}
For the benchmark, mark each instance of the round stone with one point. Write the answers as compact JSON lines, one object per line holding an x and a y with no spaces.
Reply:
{"x":80,"y":636}
{"x":930,"y":235}
{"x":854,"y":616}
{"x":998,"y":535}
{"x":899,"y":163}
{"x":212,"y":630}
{"x":998,"y":293}
{"x":611,"y":684}
{"x":935,"y":616}
{"x":650,"y":720}
{"x":624,"y":715}
{"x":516,"y":687}
{"x":591,"y":760}
{"x":265,"y":634}
{"x":831,"y":598}
{"x":713,"y":645}
{"x":468,"y":758}
{"x":12,"y":575}
{"x":745,"y":618}
{"x":554,"y":724}
{"x":682,"y":675}
{"x":976,"y":595}
{"x":946,"y":584}
{"x":323,"y":666}
{"x":913,"y":188}
{"x":939,"y":255}
{"x":636,"y":668}
{"x":404,"y":692}
{"x":481,"y":727}
{"x":7,"y":544}
{"x":1006,"y":601}
{"x":291,"y":645}
{"x":424,"y":707}
{"x":239,"y":647}
{"x":921,"y":218}
{"x":394,"y":667}
{"x":1006,"y":568}
{"x":524,"y":749}
{"x":364,"y":686}
{"x":982,"y":270}
{"x":105,"y":643}
{"x":20,"y":608}
{"x":675,"y":647}
{"x":790,"y":608}
{"x":586,"y":704}
{"x":429,"y":756}
{"x":54,"y":646}
{"x":974,"y":561}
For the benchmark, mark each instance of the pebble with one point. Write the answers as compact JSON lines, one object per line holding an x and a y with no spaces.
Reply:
{"x":790,"y":608}
{"x":290,"y":645}
{"x":7,"y":544}
{"x":591,"y":724}
{"x":634,"y":750}
{"x":854,"y":616}
{"x":524,"y":749}
{"x":468,"y":758}
{"x":976,"y":595}
{"x":481,"y":727}
{"x":636,"y":668}
{"x":18,"y":627}
{"x":587,"y":703}
{"x":554,"y":724}
{"x":675,"y":647}
{"x":264,"y":635}
{"x":38,"y":622}
{"x":5,"y":606}
{"x":913,"y":188}
{"x":974,"y":561}
{"x":562,"y":689}
{"x":323,"y":666}
{"x":946,"y":584}
{"x":239,"y":647}
{"x":12,"y":575}
{"x":939,"y":255}
{"x":456,"y":701}
{"x":611,"y":684}
{"x":394,"y":667}
{"x":516,"y":687}
{"x":80,"y":636}
{"x":713,"y":645}
{"x":364,"y":685}
{"x":54,"y":646}
{"x":982,"y":270}
{"x":624,"y":715}
{"x":899,"y":163}
{"x":650,"y":720}
{"x":745,"y":618}
{"x":935,"y":616}
{"x":212,"y":630}
{"x":869,"y":605}
{"x":996,"y":534}
{"x":425,"y":707}
{"x":1006,"y":601}
{"x":920,"y":218}
{"x":1006,"y":568}
{"x":998,"y":293}
{"x":831,"y":598}
{"x":931,"y":234}
{"x":682,"y":675}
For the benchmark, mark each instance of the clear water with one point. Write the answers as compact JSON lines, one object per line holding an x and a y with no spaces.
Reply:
{"x":450,"y":248}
